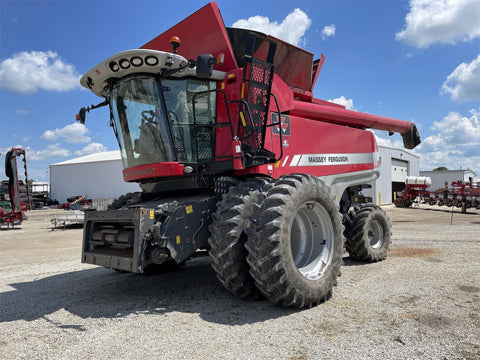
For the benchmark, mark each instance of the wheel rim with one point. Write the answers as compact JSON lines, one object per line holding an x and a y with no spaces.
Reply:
{"x":312,"y":240}
{"x":375,"y":234}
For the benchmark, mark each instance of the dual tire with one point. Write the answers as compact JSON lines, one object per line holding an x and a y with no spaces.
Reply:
{"x":296,"y":251}
{"x":284,"y":241}
{"x":231,"y":223}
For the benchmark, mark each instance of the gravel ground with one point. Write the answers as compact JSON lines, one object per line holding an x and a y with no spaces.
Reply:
{"x":421,"y":303}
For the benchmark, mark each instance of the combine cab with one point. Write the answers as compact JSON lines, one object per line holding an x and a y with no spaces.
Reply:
{"x":234,"y":155}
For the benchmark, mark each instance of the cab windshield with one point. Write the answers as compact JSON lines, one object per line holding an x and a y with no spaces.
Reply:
{"x":154,"y":122}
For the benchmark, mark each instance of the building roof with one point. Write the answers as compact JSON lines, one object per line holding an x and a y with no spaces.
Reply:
{"x":399,"y":149}
{"x":96,"y":157}
{"x":463,"y":171}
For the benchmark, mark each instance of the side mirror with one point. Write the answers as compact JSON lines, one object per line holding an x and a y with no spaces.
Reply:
{"x":205,"y":65}
{"x":83,"y":111}
{"x":81,"y":115}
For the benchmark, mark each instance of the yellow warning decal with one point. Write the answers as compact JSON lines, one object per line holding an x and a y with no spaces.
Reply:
{"x":152,"y":213}
{"x":178,"y":239}
{"x":242,"y":118}
{"x":189,"y":209}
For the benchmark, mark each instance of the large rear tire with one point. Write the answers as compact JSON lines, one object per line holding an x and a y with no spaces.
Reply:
{"x":296,"y":252}
{"x":368,"y":233}
{"x":229,"y":235}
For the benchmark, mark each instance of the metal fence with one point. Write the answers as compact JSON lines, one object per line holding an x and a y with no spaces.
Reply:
{"x":102,"y":203}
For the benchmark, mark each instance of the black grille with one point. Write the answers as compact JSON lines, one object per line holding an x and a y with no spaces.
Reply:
{"x":204,"y":139}
{"x":259,"y":76}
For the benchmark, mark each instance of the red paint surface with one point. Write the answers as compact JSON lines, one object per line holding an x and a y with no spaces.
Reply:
{"x":151,"y":171}
{"x":203,"y":32}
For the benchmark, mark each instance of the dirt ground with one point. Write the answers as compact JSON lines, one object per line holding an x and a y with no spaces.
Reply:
{"x":422,"y":302}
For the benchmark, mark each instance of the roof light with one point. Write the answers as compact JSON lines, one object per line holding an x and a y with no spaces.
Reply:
{"x":124,"y":63}
{"x":113,"y":66}
{"x":151,"y":60}
{"x":136,"y":61}
{"x":175,"y":42}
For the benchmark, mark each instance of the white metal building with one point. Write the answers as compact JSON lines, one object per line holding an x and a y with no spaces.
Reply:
{"x":96,"y":176}
{"x":395,"y":165}
{"x":440,"y":177}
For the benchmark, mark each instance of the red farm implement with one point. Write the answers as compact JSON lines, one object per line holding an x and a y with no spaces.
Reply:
{"x":12,"y":213}
{"x":463,"y":195}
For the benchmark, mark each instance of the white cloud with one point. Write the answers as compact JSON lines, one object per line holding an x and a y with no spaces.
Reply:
{"x":440,"y":21}
{"x":328,"y":31}
{"x":458,"y":129}
{"x":91,"y":148}
{"x":22,"y":138}
{"x":342,"y":100}
{"x":455,"y":142}
{"x":73,"y":133}
{"x":395,"y":143}
{"x":463,"y":84}
{"x":22,"y":112}
{"x":291,"y":29}
{"x":53,"y":150}
{"x":28,"y":72}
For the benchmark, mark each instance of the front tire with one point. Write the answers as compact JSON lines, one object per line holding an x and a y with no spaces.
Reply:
{"x":229,"y":235}
{"x":296,"y":252}
{"x":368,"y":233}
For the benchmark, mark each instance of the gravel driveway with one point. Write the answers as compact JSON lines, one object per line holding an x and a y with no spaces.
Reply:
{"x":421,"y":303}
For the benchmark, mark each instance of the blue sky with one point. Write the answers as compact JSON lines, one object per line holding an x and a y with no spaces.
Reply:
{"x":416,"y":60}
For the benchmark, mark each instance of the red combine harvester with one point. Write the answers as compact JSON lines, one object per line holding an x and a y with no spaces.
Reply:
{"x":234,"y":155}
{"x":15,"y":214}
{"x":460,"y":194}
